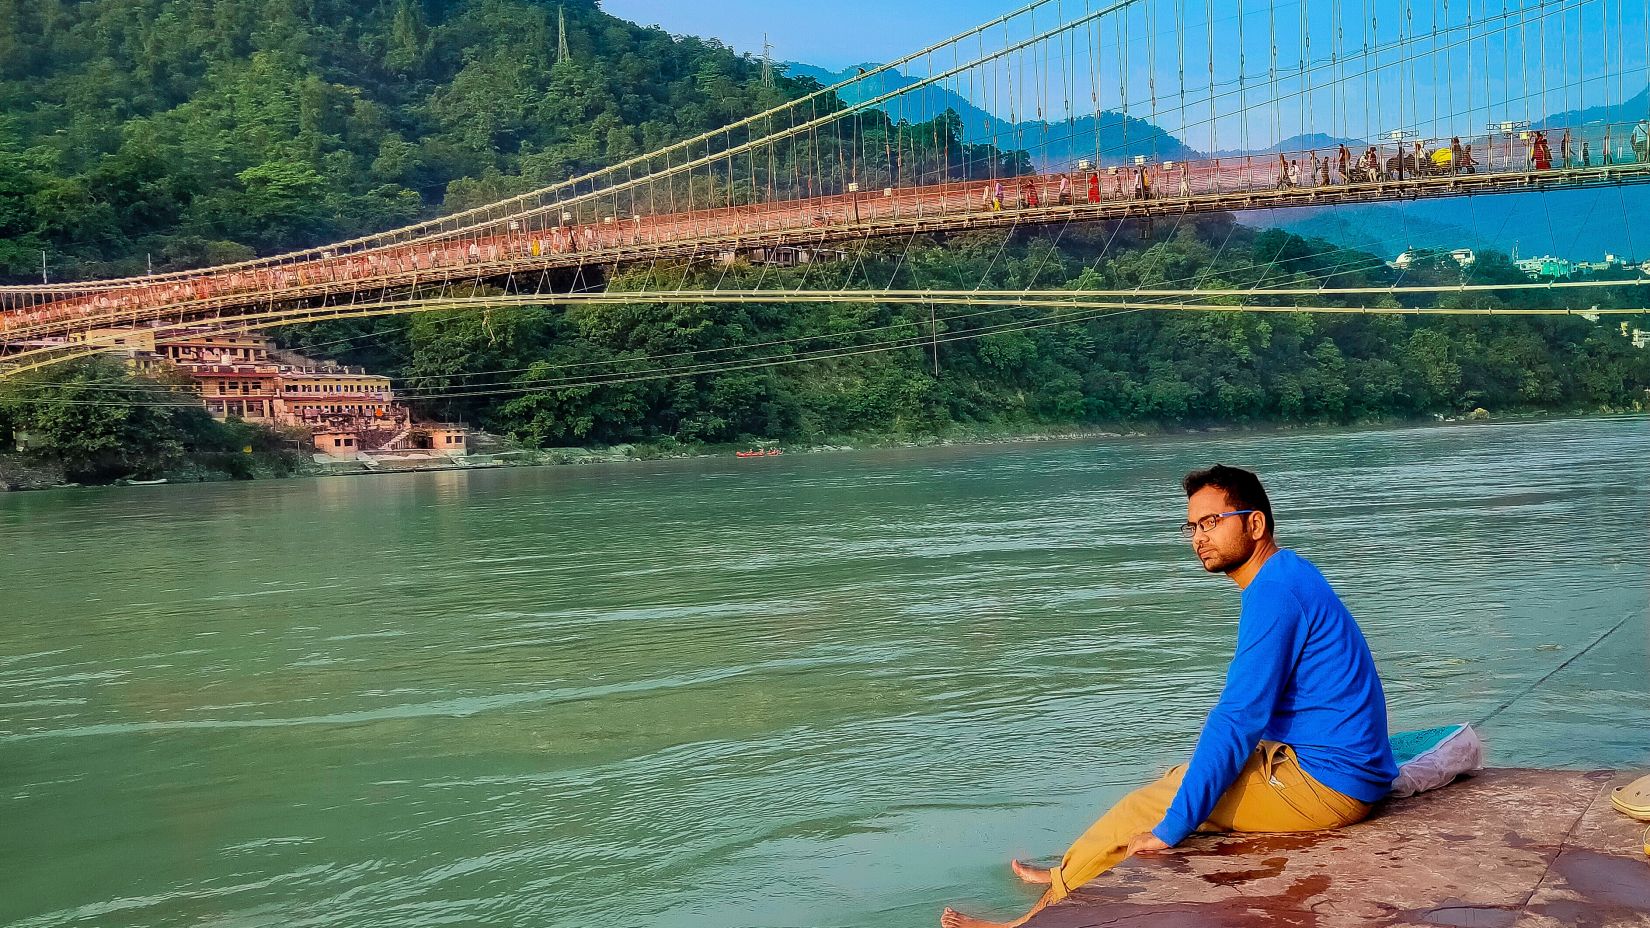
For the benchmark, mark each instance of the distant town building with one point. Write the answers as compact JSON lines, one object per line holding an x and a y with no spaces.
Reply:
{"x":346,"y":410}
{"x":1610,"y":263}
{"x":1462,"y":256}
{"x":1545,"y":266}
{"x":1640,"y":337}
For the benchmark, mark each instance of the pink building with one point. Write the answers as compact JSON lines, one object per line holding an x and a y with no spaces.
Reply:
{"x":346,"y":410}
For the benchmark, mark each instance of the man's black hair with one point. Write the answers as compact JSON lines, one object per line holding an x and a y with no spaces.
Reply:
{"x":1242,"y":488}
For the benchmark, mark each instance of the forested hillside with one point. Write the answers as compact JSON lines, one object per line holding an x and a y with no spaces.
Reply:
{"x":198,"y":132}
{"x":720,"y":372}
{"x":201,"y":132}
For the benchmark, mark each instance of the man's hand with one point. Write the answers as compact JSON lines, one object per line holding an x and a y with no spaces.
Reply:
{"x":1146,"y":843}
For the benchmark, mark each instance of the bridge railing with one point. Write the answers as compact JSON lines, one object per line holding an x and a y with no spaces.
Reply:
{"x":1598,"y":146}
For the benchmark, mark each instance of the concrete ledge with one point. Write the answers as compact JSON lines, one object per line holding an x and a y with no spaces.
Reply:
{"x":1504,"y":849}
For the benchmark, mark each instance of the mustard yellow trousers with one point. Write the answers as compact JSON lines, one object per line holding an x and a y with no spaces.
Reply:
{"x":1271,"y":794}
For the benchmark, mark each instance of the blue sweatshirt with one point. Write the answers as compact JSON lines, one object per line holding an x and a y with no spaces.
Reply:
{"x":1302,"y":675}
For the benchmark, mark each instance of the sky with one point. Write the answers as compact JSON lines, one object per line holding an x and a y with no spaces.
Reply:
{"x":828,"y":33}
{"x":1443,"y":69}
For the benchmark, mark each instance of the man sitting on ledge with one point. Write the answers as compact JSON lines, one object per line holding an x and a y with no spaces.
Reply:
{"x":1298,"y":740}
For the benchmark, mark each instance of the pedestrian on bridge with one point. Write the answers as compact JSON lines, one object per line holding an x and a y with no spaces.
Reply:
{"x":1283,"y":173}
{"x":1346,"y":164}
{"x":1455,"y":155}
{"x":1566,"y":150}
{"x":1094,"y":187}
{"x":1185,"y":180}
{"x":1641,"y":142}
{"x":1065,"y":189}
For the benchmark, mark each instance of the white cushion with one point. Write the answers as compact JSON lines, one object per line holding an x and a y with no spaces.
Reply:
{"x":1435,"y":758}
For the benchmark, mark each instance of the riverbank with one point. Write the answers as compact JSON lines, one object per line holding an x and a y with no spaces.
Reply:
{"x":19,"y":473}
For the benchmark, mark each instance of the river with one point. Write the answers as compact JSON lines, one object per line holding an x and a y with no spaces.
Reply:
{"x":822,"y":690}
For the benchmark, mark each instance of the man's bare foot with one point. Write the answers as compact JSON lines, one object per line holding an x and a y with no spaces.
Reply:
{"x":951,"y":918}
{"x":1029,"y":874}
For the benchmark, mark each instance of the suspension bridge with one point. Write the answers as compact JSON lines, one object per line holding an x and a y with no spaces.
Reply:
{"x":1078,"y":111}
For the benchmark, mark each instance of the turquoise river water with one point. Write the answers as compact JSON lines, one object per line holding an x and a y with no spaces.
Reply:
{"x":823,"y":690}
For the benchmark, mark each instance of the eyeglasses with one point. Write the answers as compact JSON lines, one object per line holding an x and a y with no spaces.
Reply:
{"x":1207,"y":523}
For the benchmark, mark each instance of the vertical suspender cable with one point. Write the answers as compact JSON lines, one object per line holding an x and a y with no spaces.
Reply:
{"x":1272,"y":69}
{"x":1209,"y":16}
{"x":1151,"y":66}
{"x":1123,"y":49}
{"x":1414,"y":74}
{"x":1490,"y":102}
{"x":1372,"y":70}
{"x":1506,"y":60}
{"x":1450,"y":118}
{"x":1180,"y":60}
{"x":1095,"y":45}
{"x":1524,"y":62}
{"x":1305,"y":51}
{"x":1432,"y":96}
{"x":1621,"y":61}
{"x":1243,"y":95}
{"x":1013,"y":100}
{"x":1472,"y":110}
{"x":1605,"y":89}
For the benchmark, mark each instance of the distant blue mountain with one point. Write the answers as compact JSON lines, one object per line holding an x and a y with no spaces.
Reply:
{"x":1308,"y":142}
{"x":1054,"y":143}
{"x":1627,"y":111}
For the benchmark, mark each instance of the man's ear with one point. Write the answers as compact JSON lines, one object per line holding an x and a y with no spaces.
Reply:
{"x":1258,"y":526}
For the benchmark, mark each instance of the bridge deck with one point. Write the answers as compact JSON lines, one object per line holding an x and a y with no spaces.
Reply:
{"x":1506,"y":849}
{"x":807,"y":223}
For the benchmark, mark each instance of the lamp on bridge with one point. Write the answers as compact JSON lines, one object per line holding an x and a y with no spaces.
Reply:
{"x":1397,"y":137}
{"x":1508,"y":128}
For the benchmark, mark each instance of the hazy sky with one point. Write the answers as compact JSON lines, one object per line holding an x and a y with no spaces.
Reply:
{"x":832,"y":34}
{"x":1437,"y":70}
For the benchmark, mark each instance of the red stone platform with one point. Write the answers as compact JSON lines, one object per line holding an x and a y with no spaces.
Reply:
{"x":1504,"y":849}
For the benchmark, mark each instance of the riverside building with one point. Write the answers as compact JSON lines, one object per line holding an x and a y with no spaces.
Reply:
{"x":345,"y":410}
